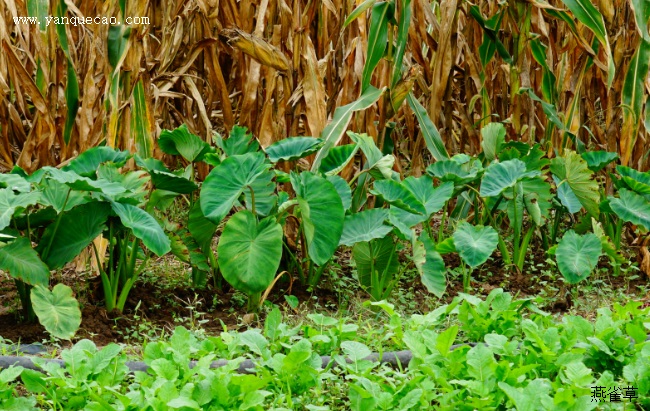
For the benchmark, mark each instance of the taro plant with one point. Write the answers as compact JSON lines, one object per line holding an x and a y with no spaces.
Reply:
{"x":474,"y":244}
{"x":243,"y":180}
{"x":577,"y":255}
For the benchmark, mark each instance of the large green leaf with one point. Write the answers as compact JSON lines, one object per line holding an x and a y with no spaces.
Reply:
{"x":144,"y":226}
{"x":322,"y":214}
{"x":430,"y":265}
{"x":631,"y":207}
{"x":77,"y":228}
{"x":378,"y":254}
{"x":200,"y":227}
{"x":597,"y":160}
{"x":433,"y":198}
{"x":15,"y":182}
{"x":337,"y":158}
{"x":574,"y":171}
{"x":57,"y":195}
{"x":334,"y":130}
{"x":453,"y":171}
{"x":494,"y":135}
{"x":344,"y":190}
{"x":475,"y":244}
{"x":23,"y":263}
{"x":566,"y":196}
{"x":228,"y":181}
{"x":239,"y":142}
{"x":637,"y":181}
{"x":250,"y":252}
{"x":81,"y":183}
{"x":163,"y":180}
{"x":365,"y":226}
{"x":181,"y":142}
{"x":57,"y":310}
{"x":398,"y":195}
{"x":293,"y":148}
{"x":86,"y":163}
{"x":501,"y":176}
{"x":432,"y":138}
{"x":577,"y":255}
{"x":10,"y":202}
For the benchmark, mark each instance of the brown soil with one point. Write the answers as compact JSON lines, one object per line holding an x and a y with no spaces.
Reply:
{"x":152,"y":308}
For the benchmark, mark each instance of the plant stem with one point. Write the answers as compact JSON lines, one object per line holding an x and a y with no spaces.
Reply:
{"x":254,"y":302}
{"x":46,"y":252}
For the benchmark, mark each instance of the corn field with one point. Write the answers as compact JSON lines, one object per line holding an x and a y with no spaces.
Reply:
{"x":560,"y":73}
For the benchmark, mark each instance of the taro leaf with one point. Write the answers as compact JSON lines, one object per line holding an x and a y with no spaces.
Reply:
{"x":144,"y":226}
{"x":239,"y":142}
{"x":322,"y":214}
{"x":23,"y":263}
{"x":163,"y":180}
{"x":293,"y":148}
{"x":265,"y":198}
{"x":337,"y":158}
{"x":201,"y":228}
{"x":573,"y":170}
{"x":10,"y":202}
{"x":76,"y":229}
{"x":57,"y":310}
{"x":378,"y":254}
{"x":475,"y":244}
{"x":250,"y":252}
{"x":597,"y":160}
{"x":405,"y":221}
{"x":566,"y":196}
{"x":494,"y":135}
{"x":453,"y":171}
{"x":432,"y":198}
{"x":181,"y":142}
{"x":537,"y":195}
{"x":54,"y":194}
{"x":80,"y":183}
{"x":499,"y":177}
{"x":398,"y":195}
{"x":228,"y":181}
{"x":343,"y":189}
{"x":631,"y":207}
{"x":577,"y":255}
{"x":86,"y":163}
{"x":365,"y":226}
{"x":430,"y":265}
{"x":637,"y":181}
{"x":15,"y":182}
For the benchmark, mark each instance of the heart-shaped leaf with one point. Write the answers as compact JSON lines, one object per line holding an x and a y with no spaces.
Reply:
{"x":250,"y":252}
{"x":86,"y":163}
{"x":181,"y":142}
{"x":475,"y":244}
{"x":631,"y":207}
{"x":144,"y":226}
{"x":293,"y":148}
{"x":398,"y":195}
{"x":573,"y":170}
{"x":337,"y":158}
{"x":378,"y":254}
{"x":57,"y":310}
{"x":494,"y":135}
{"x":227,"y":181}
{"x":430,"y":265}
{"x":499,"y":177}
{"x":577,"y":255}
{"x":365,"y":226}
{"x":23,"y":263}
{"x":322,"y":214}
{"x":77,"y":228}
{"x":597,"y":160}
